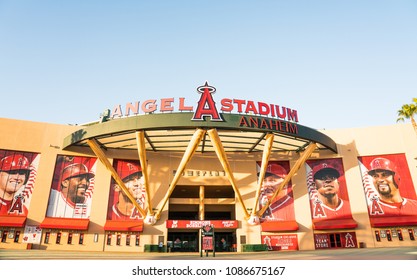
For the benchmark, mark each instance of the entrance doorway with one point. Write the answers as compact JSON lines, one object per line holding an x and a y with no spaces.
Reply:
{"x":183,"y":241}
{"x":216,"y":205}
{"x":225,"y":241}
{"x":189,"y":241}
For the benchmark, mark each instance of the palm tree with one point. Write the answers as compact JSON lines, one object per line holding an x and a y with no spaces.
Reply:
{"x":407,"y":112}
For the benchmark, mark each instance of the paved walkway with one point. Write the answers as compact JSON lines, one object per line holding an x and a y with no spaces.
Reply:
{"x":402,"y":253}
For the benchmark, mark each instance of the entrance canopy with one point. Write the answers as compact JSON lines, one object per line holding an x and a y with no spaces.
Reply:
{"x":178,"y":132}
{"x":172,"y":132}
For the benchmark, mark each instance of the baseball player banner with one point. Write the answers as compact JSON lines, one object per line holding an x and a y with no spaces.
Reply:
{"x":329,"y":200}
{"x":72,"y":187}
{"x":18,"y":172}
{"x":120,"y":207}
{"x":282,"y":207}
{"x":389,"y":190}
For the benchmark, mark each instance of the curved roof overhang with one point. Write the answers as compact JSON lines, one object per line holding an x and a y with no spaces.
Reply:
{"x":178,"y":132}
{"x":172,"y":132}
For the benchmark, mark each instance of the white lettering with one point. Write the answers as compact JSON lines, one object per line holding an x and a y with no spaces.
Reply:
{"x":227,"y":105}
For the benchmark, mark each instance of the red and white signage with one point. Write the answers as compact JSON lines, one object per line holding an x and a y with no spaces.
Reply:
{"x":187,"y":224}
{"x":207,"y":243}
{"x":335,"y":240}
{"x":283,"y":242}
{"x":206,"y":107}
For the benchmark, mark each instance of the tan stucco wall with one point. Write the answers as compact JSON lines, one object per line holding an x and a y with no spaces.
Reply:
{"x":47,"y":139}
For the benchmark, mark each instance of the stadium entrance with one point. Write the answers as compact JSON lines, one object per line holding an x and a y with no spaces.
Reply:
{"x":191,"y":207}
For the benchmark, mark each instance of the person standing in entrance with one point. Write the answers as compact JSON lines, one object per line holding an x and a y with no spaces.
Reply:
{"x":223,"y":244}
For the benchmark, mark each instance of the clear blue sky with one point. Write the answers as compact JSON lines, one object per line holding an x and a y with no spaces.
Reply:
{"x":340,"y":64}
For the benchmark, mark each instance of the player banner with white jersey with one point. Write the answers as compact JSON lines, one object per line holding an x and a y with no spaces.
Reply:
{"x":72,"y":187}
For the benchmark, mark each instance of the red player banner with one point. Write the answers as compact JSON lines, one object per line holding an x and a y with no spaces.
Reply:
{"x":389,"y":190}
{"x":281,"y":208}
{"x":18,"y":170}
{"x":329,"y":200}
{"x":120,"y":207}
{"x":196,"y":224}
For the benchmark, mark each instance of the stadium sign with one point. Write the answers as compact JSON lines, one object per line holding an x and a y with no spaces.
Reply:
{"x":206,"y":107}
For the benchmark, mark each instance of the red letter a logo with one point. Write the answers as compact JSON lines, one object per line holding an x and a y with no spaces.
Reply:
{"x":206,"y":105}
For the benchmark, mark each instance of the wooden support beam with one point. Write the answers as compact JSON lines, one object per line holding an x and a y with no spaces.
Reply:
{"x":140,"y":141}
{"x":102,"y":157}
{"x":307,"y":153}
{"x":221,"y":154}
{"x":191,"y":148}
{"x":201,"y":204}
{"x":265,"y":159}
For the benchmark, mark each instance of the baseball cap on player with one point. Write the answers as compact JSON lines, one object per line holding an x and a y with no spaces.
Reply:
{"x":383,"y":164}
{"x":126,"y":170}
{"x":74,"y":170}
{"x":16,"y":163}
{"x":325,"y":169}
{"x":275,"y":170}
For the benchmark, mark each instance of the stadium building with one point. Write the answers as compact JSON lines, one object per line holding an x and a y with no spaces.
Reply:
{"x":224,"y":175}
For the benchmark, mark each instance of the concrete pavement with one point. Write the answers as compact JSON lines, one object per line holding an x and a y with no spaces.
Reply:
{"x":400,"y":253}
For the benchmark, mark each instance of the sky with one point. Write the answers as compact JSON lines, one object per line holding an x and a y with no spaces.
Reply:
{"x":340,"y":64}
